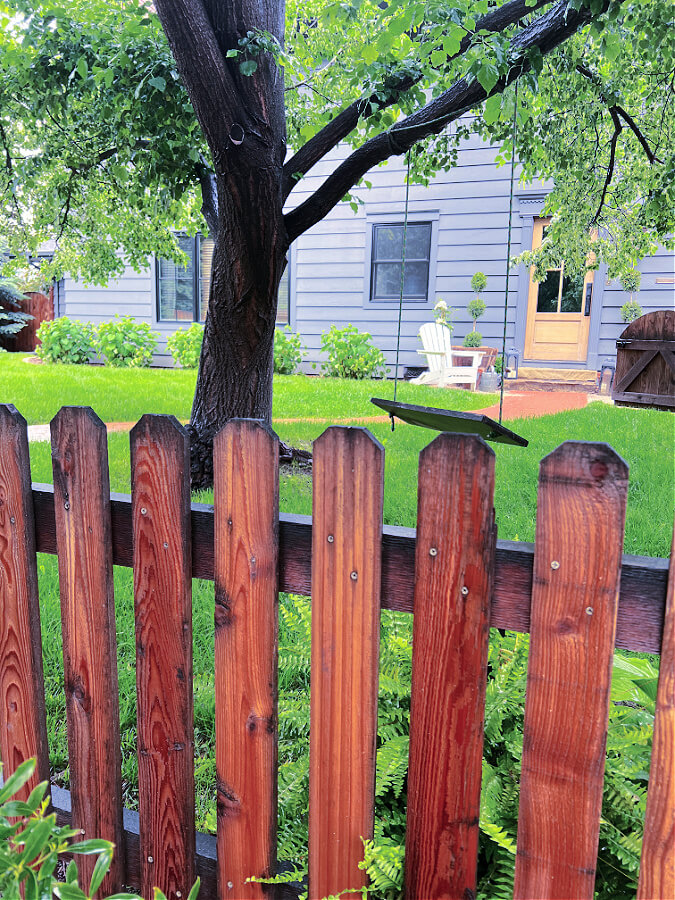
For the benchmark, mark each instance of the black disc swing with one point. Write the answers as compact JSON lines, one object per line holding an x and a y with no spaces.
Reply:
{"x":447,"y":419}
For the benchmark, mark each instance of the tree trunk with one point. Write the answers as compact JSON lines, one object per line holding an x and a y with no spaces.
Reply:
{"x":235,"y":369}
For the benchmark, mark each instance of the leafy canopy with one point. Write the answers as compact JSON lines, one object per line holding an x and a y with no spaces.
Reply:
{"x":103,"y":155}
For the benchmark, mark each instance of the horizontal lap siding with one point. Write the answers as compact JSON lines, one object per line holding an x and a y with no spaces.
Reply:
{"x":651,"y":297}
{"x":332,"y":261}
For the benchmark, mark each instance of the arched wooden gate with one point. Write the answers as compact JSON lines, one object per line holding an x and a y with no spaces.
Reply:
{"x":645,"y":362}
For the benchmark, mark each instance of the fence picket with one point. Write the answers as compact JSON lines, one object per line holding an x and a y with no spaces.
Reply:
{"x":246,"y":496}
{"x":346,"y":574}
{"x":23,"y":728}
{"x":577,"y":563}
{"x":160,"y":472}
{"x":454,"y":573}
{"x":657,"y":866}
{"x":83,"y":535}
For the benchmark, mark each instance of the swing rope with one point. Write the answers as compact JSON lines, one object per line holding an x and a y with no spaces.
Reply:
{"x":514,"y":133}
{"x":400,"y":293}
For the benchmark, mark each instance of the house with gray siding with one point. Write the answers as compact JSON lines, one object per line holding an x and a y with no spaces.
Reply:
{"x":346,"y":269}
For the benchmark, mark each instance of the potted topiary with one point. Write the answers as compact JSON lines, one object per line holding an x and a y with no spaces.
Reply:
{"x":630,"y":282}
{"x":476,"y":309}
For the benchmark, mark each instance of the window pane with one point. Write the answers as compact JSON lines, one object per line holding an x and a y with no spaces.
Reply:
{"x":415,"y":280}
{"x":176,"y":285}
{"x":387,"y":280}
{"x":572,"y":293}
{"x":388,"y":241}
{"x":282,"y":299}
{"x":205,"y":259}
{"x":418,"y":241}
{"x":547,"y":298}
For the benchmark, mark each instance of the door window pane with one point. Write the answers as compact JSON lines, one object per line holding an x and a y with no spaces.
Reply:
{"x":388,"y":259}
{"x":205,"y":258}
{"x":549,"y":288}
{"x":572,"y":293}
{"x":176,"y":286}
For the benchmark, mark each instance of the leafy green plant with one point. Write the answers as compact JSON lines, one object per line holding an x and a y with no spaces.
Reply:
{"x":473,"y":339}
{"x":66,"y":341}
{"x":630,"y":281}
{"x":31,"y":843}
{"x":351,"y":353}
{"x":125,"y":342}
{"x":12,"y":319}
{"x":288,"y":351}
{"x":185,"y":346}
{"x":630,"y":311}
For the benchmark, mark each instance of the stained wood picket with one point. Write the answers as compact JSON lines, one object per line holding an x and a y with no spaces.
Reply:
{"x":452,"y":573}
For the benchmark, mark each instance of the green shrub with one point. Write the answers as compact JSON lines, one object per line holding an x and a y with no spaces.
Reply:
{"x":185,"y":345}
{"x":630,"y":311}
{"x":288,"y":351}
{"x":478,"y":283}
{"x":630,"y":281}
{"x":12,"y":320}
{"x":476,"y":308}
{"x":66,"y":341}
{"x":473,"y":339}
{"x":126,"y":342}
{"x":351,"y":354}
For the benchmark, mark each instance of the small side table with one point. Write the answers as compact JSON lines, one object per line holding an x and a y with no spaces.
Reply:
{"x":511,"y":371}
{"x":608,"y":364}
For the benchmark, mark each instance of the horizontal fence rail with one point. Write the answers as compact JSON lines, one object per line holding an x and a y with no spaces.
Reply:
{"x":451,"y":572}
{"x":642,"y":593}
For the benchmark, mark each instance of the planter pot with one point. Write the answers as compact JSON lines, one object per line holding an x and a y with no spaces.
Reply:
{"x":489,"y":382}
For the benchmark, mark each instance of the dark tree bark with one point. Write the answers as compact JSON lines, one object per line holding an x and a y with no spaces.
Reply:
{"x":243,"y":120}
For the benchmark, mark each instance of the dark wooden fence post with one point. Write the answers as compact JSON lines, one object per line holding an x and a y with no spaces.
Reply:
{"x":84,"y":541}
{"x":657,"y":866}
{"x":23,"y":729}
{"x":346,"y":575}
{"x":454,"y":573}
{"x":577,"y":564}
{"x":246,"y":565}
{"x":160,"y":472}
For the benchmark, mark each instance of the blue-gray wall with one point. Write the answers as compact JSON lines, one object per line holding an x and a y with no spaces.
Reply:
{"x":468,"y":207}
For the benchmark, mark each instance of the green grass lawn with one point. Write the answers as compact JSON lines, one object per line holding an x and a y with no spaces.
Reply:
{"x":645,"y":438}
{"x":124,"y":395}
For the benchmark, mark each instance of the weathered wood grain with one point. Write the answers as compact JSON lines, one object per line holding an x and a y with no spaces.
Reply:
{"x":23,"y":729}
{"x":657,"y":867}
{"x":346,"y":576}
{"x":246,"y":492}
{"x":580,"y":521}
{"x":83,"y":536}
{"x":642,"y":598}
{"x":160,"y":477}
{"x":453,"y":584}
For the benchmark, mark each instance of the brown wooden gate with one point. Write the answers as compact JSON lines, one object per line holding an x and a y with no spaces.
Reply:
{"x":645,"y":362}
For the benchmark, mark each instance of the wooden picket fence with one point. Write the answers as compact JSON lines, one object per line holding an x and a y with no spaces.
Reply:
{"x":573,"y":591}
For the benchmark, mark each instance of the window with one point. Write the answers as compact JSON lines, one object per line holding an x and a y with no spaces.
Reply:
{"x":284,"y":297}
{"x":387,"y":261}
{"x":560,"y":292}
{"x":183,"y":291}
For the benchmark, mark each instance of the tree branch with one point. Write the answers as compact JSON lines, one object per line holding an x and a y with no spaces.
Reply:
{"x":610,"y":166}
{"x":547,"y":32}
{"x":345,"y":122}
{"x":614,"y":110}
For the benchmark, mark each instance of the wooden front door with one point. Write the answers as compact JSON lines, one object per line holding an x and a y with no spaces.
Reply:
{"x":558,"y":311}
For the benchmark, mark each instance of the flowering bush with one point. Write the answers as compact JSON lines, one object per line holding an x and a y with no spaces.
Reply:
{"x":351,"y":354}
{"x":126,"y":342}
{"x":288,"y":351}
{"x":66,"y":341}
{"x":443,"y":314}
{"x":185,"y":345}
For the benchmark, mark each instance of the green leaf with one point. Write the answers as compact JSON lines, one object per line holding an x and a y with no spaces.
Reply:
{"x":87,"y":848}
{"x":248,"y":67}
{"x":369,"y":53}
{"x":82,"y":68}
{"x":69,"y":892}
{"x":100,"y":871}
{"x":17,"y":779}
{"x":487,"y":76}
{"x":493,"y":106}
{"x":36,"y":837}
{"x":158,"y":82}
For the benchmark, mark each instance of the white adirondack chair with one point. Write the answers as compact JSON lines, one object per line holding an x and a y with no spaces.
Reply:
{"x":442,"y":358}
